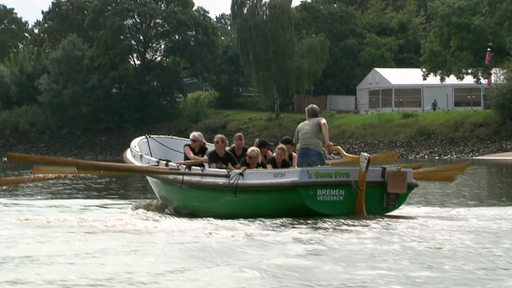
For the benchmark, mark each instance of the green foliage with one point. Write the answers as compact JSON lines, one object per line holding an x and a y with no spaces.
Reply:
{"x":64,"y":86}
{"x":6,"y":89}
{"x":266,"y":43}
{"x":311,"y":57}
{"x":460,"y":32}
{"x":13,"y":32}
{"x":196,"y":105}
{"x":25,"y":122}
{"x":501,"y":94}
{"x":25,"y":68}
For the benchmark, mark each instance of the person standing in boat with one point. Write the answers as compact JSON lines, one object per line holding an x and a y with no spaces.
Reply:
{"x":196,"y":149}
{"x":279,"y":160}
{"x":310,"y":136}
{"x":238,"y":149}
{"x":221,"y":158}
{"x":287,"y":141}
{"x":252,"y":159}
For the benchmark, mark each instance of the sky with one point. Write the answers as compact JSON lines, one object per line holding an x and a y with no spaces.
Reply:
{"x":30,"y":10}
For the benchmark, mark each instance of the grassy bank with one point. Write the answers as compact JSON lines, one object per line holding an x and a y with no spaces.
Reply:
{"x":386,"y":127}
{"x":441,"y":134}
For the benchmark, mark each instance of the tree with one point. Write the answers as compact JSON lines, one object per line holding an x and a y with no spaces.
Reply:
{"x":13,"y":32}
{"x":64,"y":89}
{"x":266,"y":42}
{"x":341,"y":25}
{"x":134,"y":55}
{"x":6,"y":89}
{"x":459,"y":34}
{"x":25,"y":68}
{"x":228,"y":78}
{"x":278,"y":61}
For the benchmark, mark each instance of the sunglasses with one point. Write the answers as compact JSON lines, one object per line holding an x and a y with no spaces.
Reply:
{"x":249,"y":157}
{"x":193,"y":140}
{"x":218,"y":142}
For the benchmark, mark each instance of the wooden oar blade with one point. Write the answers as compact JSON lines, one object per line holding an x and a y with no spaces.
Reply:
{"x":455,"y":168}
{"x":47,"y":169}
{"x":12,"y":181}
{"x":446,"y":173}
{"x":360,"y":205}
{"x":436,"y":177}
{"x":384,"y":157}
{"x":50,"y":169}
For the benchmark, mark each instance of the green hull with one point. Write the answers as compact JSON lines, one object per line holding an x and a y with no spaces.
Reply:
{"x":221,"y":201}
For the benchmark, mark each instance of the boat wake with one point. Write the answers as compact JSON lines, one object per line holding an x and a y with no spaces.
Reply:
{"x":152,"y":206}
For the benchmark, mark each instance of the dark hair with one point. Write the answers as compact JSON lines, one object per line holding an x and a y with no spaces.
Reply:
{"x":262,"y":143}
{"x":287,"y":140}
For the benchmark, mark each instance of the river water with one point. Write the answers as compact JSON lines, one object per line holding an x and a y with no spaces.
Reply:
{"x":109,"y":232}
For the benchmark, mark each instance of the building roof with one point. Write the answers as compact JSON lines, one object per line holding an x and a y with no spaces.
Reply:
{"x":415,"y":76}
{"x":386,"y":77}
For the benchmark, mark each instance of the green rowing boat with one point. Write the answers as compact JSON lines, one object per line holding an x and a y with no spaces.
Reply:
{"x":293,"y":192}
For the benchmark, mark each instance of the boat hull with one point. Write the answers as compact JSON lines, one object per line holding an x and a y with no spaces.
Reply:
{"x":221,"y":201}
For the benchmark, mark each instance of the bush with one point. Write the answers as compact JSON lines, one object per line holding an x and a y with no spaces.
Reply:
{"x":195,"y":106}
{"x":26,"y":120}
{"x":501,"y":95}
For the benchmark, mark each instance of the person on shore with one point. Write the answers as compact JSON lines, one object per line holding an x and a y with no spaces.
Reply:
{"x":252,"y":159}
{"x":312,"y":138}
{"x":287,"y":141}
{"x":221,"y":158}
{"x":265,"y":149}
{"x":238,"y":148}
{"x":279,"y":160}
{"x":196,"y":149}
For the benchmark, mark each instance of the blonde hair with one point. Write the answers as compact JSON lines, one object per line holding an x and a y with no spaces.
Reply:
{"x":282,"y":148}
{"x":254,"y":151}
{"x":223,"y":138}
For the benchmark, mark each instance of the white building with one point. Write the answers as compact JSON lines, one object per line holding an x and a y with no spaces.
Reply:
{"x":397,"y":89}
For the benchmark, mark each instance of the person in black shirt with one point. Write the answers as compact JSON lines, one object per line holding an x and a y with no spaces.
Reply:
{"x":252,"y":159}
{"x":279,"y":160}
{"x":196,"y":149}
{"x":238,"y":149}
{"x":221,"y":158}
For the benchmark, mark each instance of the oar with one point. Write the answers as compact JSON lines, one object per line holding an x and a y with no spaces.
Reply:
{"x":351,"y":158}
{"x":364,"y":164}
{"x":11,"y":181}
{"x":87,"y":166}
{"x":446,"y":173}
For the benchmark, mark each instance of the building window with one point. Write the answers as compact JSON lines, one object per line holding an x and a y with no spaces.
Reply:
{"x":467,"y":97}
{"x":387,"y":98}
{"x":374,"y":96}
{"x":408,"y":97}
{"x":381,"y":98}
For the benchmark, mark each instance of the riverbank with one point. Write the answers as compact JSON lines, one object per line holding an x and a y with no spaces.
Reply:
{"x":455,"y":135}
{"x":111,"y":146}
